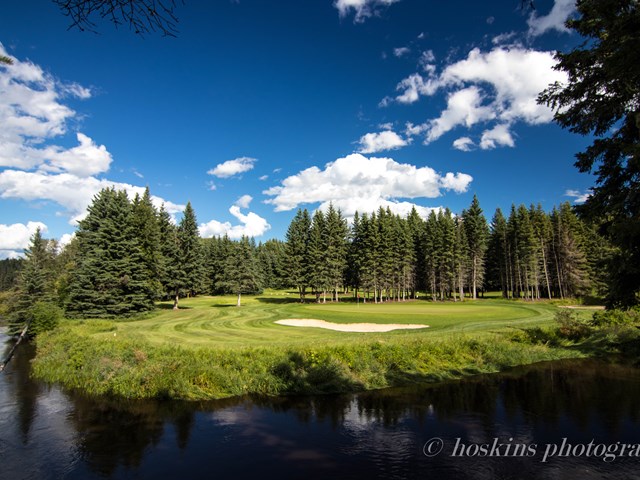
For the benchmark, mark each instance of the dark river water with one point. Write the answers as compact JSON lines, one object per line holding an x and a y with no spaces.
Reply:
{"x":561,"y":420}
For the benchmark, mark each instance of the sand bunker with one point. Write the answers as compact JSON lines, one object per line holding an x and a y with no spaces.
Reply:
{"x":349,"y":327}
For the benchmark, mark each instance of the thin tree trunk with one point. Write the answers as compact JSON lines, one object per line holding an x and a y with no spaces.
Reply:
{"x":176,"y":299}
{"x":13,"y":349}
{"x":546,"y":272}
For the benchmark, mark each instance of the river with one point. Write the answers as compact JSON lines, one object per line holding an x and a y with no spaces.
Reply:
{"x":556,"y":420}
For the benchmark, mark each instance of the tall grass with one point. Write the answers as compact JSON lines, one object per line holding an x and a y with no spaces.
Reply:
{"x":93,"y":357}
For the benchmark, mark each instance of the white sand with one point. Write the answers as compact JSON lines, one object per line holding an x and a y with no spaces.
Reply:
{"x":348,"y":327}
{"x":583,"y":307}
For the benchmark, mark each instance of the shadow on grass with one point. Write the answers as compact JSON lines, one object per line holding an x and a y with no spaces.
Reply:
{"x":299,"y":375}
{"x":169,"y":306}
{"x":279,"y":300}
{"x":599,"y":343}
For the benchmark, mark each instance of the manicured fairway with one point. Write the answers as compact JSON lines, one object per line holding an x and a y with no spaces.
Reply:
{"x":216,"y":321}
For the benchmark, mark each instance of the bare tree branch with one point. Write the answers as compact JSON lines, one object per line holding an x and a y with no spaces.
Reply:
{"x":141,"y":16}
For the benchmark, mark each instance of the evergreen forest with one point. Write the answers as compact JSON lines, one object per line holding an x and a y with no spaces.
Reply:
{"x":127,"y":254}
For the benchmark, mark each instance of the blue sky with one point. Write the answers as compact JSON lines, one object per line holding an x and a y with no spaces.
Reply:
{"x":258,"y":108}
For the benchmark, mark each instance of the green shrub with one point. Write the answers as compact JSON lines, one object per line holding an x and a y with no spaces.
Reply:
{"x":570,"y":326}
{"x":609,"y":318}
{"x":45,"y":316}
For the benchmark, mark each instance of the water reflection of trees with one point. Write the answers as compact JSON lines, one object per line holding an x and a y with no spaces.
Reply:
{"x":24,"y":389}
{"x":116,"y":433}
{"x":548,"y":393}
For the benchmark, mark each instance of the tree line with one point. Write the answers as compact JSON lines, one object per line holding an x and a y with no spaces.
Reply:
{"x":127,"y":254}
{"x":383,"y":256}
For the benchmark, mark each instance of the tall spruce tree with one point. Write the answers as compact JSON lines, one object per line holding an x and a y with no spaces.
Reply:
{"x":240,"y":274}
{"x":189,"y":262}
{"x":477,"y":235}
{"x":499,"y":266}
{"x":297,"y":242}
{"x":110,"y":278}
{"x":146,"y":226}
{"x":271,"y":259}
{"x":318,"y":266}
{"x":168,"y":252}
{"x":35,"y":282}
{"x":602,"y":99}
{"x":336,"y":249}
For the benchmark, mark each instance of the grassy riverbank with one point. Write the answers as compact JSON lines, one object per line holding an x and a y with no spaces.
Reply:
{"x":210,"y":349}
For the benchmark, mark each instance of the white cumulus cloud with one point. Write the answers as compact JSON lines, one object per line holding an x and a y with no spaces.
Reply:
{"x":464,"y":144}
{"x":66,"y":239}
{"x":498,"y":88}
{"x":32,"y":114}
{"x":16,"y":237}
{"x":498,"y":135}
{"x":251,"y":225}
{"x":554,"y":20}
{"x":357,"y":183}
{"x":362,"y":9}
{"x":232,"y":167}
{"x":464,"y":107}
{"x":72,"y":192}
{"x":244,"y":201}
{"x":381,"y":141}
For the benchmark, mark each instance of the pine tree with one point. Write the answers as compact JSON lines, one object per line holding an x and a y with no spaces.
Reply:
{"x":336,"y":249}
{"x":189,"y":272}
{"x":499,"y":267}
{"x":571,"y":262}
{"x":318,"y":267}
{"x":146,"y":226}
{"x":461,"y":256}
{"x":35,"y":282}
{"x":354,"y":254}
{"x":369,"y":271}
{"x":543,"y":231}
{"x":406,"y":258}
{"x":9,"y":273}
{"x":477,"y":234}
{"x":601,"y":99}
{"x":168,"y":252}
{"x":110,"y":278}
{"x":297,"y":242}
{"x":416,"y":228}
{"x":271,"y":263}
{"x":241,"y":271}
{"x":430,"y":252}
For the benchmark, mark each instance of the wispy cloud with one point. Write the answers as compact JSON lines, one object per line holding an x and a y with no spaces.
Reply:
{"x":381,"y":141}
{"x":401,"y":51}
{"x":578,"y":197}
{"x":554,"y":20}
{"x":464,"y":144}
{"x":244,"y":201}
{"x":233,"y":167}
{"x":362,"y":9}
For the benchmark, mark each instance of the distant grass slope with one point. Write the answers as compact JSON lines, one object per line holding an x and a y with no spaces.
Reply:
{"x":212,"y":349}
{"x":216,"y":321}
